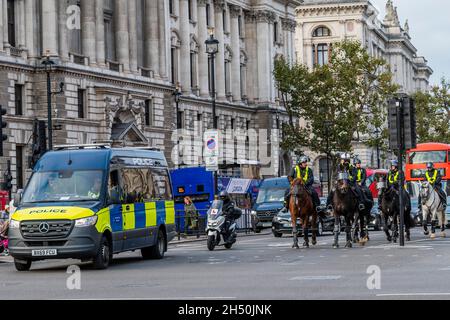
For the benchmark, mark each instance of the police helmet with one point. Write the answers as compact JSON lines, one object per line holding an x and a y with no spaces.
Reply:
{"x":303,"y":159}
{"x":224,"y":196}
{"x":346,"y":156}
{"x":357,"y":161}
{"x":430,"y":165}
{"x":394,"y":163}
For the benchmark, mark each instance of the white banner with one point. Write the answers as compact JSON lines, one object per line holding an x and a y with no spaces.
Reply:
{"x":238,"y":186}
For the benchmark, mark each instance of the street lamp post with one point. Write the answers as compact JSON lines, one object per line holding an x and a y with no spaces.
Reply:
{"x":177,"y":94}
{"x":48,"y":66}
{"x":328,"y":124}
{"x":212,"y":48}
{"x":377,"y":132}
{"x":321,"y":181}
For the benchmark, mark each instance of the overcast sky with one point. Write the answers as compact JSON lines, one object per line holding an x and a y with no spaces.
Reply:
{"x":429,"y":22}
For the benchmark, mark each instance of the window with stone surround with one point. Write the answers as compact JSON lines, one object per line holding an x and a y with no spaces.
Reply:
{"x":208,"y":15}
{"x":74,"y":35}
{"x":11,"y":13}
{"x":149,"y":112}
{"x":171,"y":8}
{"x":321,"y":54}
{"x":18,"y":99}
{"x":81,"y":94}
{"x":321,"y":32}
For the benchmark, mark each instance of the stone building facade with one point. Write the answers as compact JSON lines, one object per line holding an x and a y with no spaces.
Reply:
{"x":120,"y":61}
{"x":323,"y":22}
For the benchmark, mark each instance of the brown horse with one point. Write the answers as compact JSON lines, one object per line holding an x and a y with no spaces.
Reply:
{"x":301,"y":207}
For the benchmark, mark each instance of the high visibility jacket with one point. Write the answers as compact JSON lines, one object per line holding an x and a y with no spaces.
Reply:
{"x":393,"y":178}
{"x":307,"y":176}
{"x":435,"y":178}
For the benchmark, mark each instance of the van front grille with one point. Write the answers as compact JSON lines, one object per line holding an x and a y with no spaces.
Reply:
{"x":46,"y":229}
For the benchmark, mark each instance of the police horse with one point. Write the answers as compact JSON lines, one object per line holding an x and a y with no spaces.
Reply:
{"x":390,"y":211}
{"x":345,"y":204}
{"x":301,"y":207}
{"x":434,"y":207}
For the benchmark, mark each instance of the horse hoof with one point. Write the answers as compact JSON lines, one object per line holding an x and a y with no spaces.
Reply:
{"x":349,"y":244}
{"x":433,"y":236}
{"x":443,"y":235}
{"x":306,"y":245}
{"x":408,"y":238}
{"x":295,"y":246}
{"x":314,"y":242}
{"x":426,"y":233}
{"x":389,"y":239}
{"x":335,"y":246}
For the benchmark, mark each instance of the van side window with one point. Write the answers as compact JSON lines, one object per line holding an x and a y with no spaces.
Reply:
{"x":114,"y":190}
{"x":162,"y":183}
{"x":134,"y":183}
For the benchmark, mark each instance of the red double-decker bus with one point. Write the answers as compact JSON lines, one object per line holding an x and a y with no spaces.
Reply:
{"x":417,"y":159}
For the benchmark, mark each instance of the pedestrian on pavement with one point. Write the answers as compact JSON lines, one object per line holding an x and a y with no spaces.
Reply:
{"x":191,"y":215}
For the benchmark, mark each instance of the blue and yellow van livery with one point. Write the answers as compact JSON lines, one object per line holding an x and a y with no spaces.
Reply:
{"x":89,"y":202}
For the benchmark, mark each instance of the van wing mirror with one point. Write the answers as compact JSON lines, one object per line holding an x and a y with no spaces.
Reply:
{"x":18,"y":198}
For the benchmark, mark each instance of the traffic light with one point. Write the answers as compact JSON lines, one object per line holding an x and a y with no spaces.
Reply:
{"x":3,"y":125}
{"x":394,"y":142}
{"x":39,"y":147}
{"x":7,"y":177}
{"x":410,"y":125}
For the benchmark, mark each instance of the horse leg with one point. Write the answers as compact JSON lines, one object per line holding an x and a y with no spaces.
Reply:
{"x":433,"y":228}
{"x":305,"y":234}
{"x":355,"y":228}
{"x":364,"y":232}
{"x":337,"y":231}
{"x":442,"y":223}
{"x":395,"y":228}
{"x":348,"y":231}
{"x":386,"y":227}
{"x":295,"y":234}
{"x":314,"y":229}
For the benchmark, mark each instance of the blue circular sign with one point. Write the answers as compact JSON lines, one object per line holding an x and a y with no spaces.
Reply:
{"x":211,"y":144}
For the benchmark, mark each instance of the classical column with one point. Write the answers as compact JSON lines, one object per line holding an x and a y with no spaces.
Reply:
{"x":202,"y":56}
{"x":1,"y":25}
{"x":152,"y":36}
{"x":132,"y":27}
{"x":5,"y":25}
{"x":63,"y":37}
{"x":162,"y":38}
{"x":185,"y":51}
{"x":21,"y":26}
{"x":49,"y":27}
{"x":100,"y":32}
{"x":88,"y":30}
{"x":219,"y":5}
{"x":235,"y":11}
{"x":263,"y":54}
{"x":122,"y":35}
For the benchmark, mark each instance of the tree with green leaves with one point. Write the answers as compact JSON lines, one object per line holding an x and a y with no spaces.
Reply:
{"x":349,"y":94}
{"x":433,"y":113}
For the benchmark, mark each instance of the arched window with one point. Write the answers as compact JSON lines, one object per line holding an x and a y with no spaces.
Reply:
{"x":321,"y":32}
{"x":321,"y":54}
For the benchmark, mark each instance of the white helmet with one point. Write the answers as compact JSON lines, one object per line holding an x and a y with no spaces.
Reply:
{"x":346,"y":156}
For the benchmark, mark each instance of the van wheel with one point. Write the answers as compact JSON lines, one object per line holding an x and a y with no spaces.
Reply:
{"x":22,"y":266}
{"x":104,"y":255}
{"x":157,"y":251}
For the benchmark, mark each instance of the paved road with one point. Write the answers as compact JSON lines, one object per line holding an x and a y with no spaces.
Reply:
{"x":260,"y":267}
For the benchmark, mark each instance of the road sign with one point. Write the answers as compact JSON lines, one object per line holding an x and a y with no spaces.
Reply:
{"x":211,"y":150}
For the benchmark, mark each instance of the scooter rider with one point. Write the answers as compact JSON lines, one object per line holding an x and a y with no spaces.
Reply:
{"x":228,"y":208}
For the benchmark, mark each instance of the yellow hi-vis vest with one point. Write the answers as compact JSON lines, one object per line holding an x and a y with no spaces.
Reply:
{"x":393,"y":178}
{"x":432,"y":179}
{"x":359,"y":176}
{"x":299,"y":174}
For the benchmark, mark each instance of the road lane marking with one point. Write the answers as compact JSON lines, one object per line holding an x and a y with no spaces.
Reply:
{"x":428,"y":294}
{"x":315,"y":278}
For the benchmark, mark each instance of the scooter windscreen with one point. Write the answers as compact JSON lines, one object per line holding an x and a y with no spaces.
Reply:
{"x":216,"y":210}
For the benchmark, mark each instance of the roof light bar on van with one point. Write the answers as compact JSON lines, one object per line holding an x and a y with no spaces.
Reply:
{"x":82,"y":146}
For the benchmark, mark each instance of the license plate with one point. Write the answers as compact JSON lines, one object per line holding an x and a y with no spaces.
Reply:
{"x":44,"y":253}
{"x":287,"y":225}
{"x":267,"y":224}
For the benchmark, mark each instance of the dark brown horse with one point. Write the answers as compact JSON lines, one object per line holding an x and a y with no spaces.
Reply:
{"x":301,"y":207}
{"x":345,"y":205}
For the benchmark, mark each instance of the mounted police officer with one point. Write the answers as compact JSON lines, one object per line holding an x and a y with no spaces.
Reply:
{"x":304,"y":172}
{"x":433,"y":176}
{"x":392,"y":181}
{"x":359,"y":174}
{"x":345,"y":166}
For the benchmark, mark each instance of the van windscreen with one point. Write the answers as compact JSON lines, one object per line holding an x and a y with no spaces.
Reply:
{"x":271,"y":195}
{"x":64,"y":186}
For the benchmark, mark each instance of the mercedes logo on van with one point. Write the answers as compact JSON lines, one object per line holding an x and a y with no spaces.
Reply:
{"x":44,"y":228}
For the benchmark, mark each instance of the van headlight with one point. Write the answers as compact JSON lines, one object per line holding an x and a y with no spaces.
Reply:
{"x":14,"y":224}
{"x":253,"y":213}
{"x":86,"y":222}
